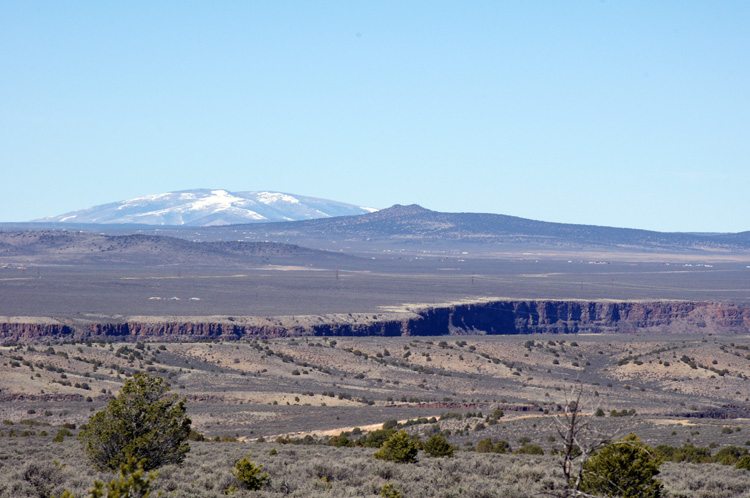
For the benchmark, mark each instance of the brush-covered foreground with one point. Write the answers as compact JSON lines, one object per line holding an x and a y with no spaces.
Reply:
{"x":46,"y":468}
{"x":315,"y":388}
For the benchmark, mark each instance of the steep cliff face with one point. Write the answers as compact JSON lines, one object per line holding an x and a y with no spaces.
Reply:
{"x":18,"y":331}
{"x":487,"y":317}
{"x":564,"y":317}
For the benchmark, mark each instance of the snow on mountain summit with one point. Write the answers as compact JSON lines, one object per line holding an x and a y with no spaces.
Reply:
{"x":206,"y":207}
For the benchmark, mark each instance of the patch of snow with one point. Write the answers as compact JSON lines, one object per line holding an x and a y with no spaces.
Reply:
{"x":219,"y":199}
{"x":274,"y":197}
{"x":144,"y":199}
{"x":369,"y":210}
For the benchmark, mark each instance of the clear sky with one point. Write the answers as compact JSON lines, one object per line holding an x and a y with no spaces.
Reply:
{"x":620,"y":113}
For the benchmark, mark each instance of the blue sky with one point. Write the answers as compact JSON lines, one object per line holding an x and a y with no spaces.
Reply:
{"x":619,"y":113}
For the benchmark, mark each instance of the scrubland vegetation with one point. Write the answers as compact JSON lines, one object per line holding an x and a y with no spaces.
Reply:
{"x":314,"y":412}
{"x":324,"y":471}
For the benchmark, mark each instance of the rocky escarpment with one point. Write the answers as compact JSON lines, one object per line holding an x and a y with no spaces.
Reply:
{"x":485,"y":317}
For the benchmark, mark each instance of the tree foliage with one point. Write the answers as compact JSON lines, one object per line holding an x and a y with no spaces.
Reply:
{"x":743,"y":463}
{"x":489,"y":446}
{"x":729,"y":455}
{"x":388,"y":491}
{"x":400,"y":448}
{"x":685,"y":453}
{"x":249,"y":474}
{"x":376,"y":438}
{"x":340,"y":441}
{"x":580,"y":436}
{"x":624,"y":469}
{"x":437,"y":446}
{"x":144,"y":423}
{"x":529,"y":449}
{"x":131,"y":483}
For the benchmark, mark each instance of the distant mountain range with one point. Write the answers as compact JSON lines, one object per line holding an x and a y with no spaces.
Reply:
{"x":414,"y":226}
{"x":79,"y":247}
{"x":220,"y":215}
{"x":205,"y":207}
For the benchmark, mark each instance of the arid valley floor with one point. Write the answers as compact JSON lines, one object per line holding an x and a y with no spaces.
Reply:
{"x":678,"y":384}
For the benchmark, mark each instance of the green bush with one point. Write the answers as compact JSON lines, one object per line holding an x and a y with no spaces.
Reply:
{"x":529,"y":449}
{"x":375,"y":439}
{"x":143,"y":423}
{"x":130,"y":483}
{"x":340,"y":441}
{"x":743,"y":463}
{"x":489,"y":446}
{"x":437,"y":446}
{"x":400,"y":448}
{"x":61,"y":435}
{"x":390,"y":424}
{"x":685,"y":453}
{"x":388,"y":491}
{"x":249,"y":475}
{"x":625,"y":468}
{"x":729,"y":455}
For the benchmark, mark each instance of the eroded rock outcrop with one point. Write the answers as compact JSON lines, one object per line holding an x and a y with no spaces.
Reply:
{"x":485,"y":317}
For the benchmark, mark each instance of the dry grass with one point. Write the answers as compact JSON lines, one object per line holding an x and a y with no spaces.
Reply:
{"x":316,"y":384}
{"x":321,"y":471}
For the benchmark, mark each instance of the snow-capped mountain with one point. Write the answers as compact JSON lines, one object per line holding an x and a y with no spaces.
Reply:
{"x":206,"y":207}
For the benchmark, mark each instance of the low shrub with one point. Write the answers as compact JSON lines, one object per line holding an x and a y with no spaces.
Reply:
{"x":529,"y":449}
{"x":248,"y":474}
{"x":400,"y":448}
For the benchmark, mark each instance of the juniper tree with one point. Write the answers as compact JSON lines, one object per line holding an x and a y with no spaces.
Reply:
{"x":625,"y":469}
{"x":249,"y":474}
{"x":400,"y":448}
{"x":580,"y":438}
{"x":143,"y":422}
{"x":437,"y":446}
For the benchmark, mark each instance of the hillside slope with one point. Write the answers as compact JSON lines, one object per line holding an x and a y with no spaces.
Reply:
{"x":414,"y":225}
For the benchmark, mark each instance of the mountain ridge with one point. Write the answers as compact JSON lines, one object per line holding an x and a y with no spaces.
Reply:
{"x":80,"y":247}
{"x":410,"y":224}
{"x":208,"y":207}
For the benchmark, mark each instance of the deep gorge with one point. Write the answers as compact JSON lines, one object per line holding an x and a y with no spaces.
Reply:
{"x":486,"y":317}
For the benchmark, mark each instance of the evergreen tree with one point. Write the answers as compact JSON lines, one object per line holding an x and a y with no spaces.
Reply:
{"x":249,"y":474}
{"x":437,"y":446}
{"x":399,"y":448}
{"x":144,"y":423}
{"x":623,"y":469}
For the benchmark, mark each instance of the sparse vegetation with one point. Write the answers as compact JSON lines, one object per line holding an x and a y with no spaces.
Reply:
{"x":231,"y":404}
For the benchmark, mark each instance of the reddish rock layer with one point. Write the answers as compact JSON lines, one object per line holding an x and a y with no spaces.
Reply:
{"x":493,"y":317}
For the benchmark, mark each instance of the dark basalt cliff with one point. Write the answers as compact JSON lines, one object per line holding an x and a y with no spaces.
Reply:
{"x":487,"y":317}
